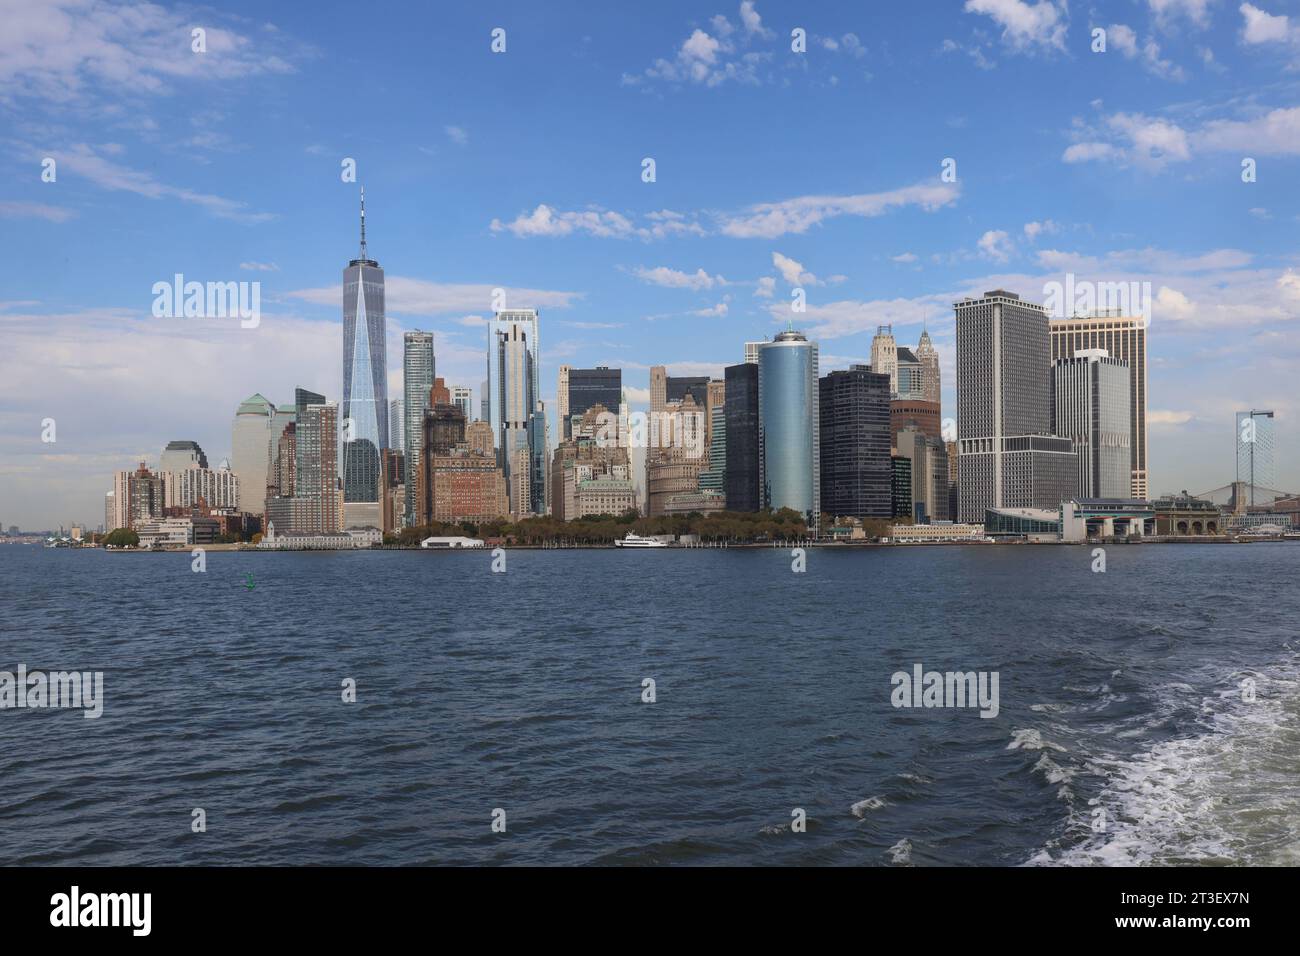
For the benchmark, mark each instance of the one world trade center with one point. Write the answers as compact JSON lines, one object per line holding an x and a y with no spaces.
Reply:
{"x":365,"y":376}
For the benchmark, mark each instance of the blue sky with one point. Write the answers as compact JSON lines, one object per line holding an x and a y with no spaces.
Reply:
{"x":523,"y":170}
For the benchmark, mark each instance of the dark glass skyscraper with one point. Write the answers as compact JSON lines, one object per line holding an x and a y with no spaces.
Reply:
{"x":697,"y":386}
{"x":592,"y":386}
{"x":741,"y":411}
{"x":365,"y":374}
{"x":855,"y":441}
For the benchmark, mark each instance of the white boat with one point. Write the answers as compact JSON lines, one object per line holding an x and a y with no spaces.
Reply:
{"x":634,"y":540}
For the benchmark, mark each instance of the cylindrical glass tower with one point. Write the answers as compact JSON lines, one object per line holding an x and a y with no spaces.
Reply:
{"x":789,"y":454}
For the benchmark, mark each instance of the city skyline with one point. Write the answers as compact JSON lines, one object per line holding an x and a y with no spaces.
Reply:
{"x":680,"y":271}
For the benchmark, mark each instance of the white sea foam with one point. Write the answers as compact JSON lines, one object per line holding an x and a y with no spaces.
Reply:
{"x":860,"y":808}
{"x":1031,"y":740}
{"x":901,"y":852}
{"x":1229,"y":794}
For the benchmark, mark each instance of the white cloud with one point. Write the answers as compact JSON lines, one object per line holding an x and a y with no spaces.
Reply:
{"x":1025,"y":26}
{"x":1197,"y":11}
{"x":76,"y":51}
{"x":675,"y":279}
{"x":1260,"y":26}
{"x":752,"y":21}
{"x":35,"y":210}
{"x":1084,"y":152}
{"x":82,"y":160}
{"x":1045,"y":228}
{"x":793,"y":272}
{"x":766,"y":287}
{"x":712,"y":59}
{"x":996,"y":245}
{"x":759,"y":221}
{"x":457,"y":135}
{"x":1144,"y":141}
{"x":770,"y":220}
{"x":259,"y":267}
{"x":545,"y":221}
{"x":903,"y":257}
{"x":1158,"y":417}
{"x":1276,"y":133}
{"x":718,"y":310}
{"x":1123,"y":39}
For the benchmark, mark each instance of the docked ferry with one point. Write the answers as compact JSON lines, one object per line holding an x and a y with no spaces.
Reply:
{"x":634,"y":540}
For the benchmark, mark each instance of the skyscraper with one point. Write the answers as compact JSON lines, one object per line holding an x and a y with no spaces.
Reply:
{"x":396,"y":425}
{"x":512,"y":394}
{"x":741,"y":412}
{"x":316,"y":504}
{"x":251,"y":444}
{"x":658,"y":388}
{"x":909,"y":376}
{"x":855,"y":443}
{"x":1009,"y":458}
{"x":929,"y":470}
{"x":1091,"y":406}
{"x":463,"y":398}
{"x":676,"y":388}
{"x":928,"y":356}
{"x":1123,"y":338}
{"x":1255,"y":451}
{"x":365,"y":373}
{"x":581,"y":388}
{"x":539,"y":440}
{"x":884,"y":355}
{"x":182,"y":455}
{"x":418,"y":366}
{"x":789,"y":420}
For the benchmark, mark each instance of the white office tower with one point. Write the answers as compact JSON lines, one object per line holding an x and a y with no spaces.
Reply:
{"x":1009,"y":457}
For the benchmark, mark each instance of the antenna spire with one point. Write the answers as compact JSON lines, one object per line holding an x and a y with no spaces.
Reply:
{"x":363,"y":222}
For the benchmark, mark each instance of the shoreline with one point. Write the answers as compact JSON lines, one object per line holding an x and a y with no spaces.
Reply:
{"x":746,"y":546}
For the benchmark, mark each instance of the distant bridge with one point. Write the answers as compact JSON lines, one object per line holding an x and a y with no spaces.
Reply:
{"x":1256,"y":493}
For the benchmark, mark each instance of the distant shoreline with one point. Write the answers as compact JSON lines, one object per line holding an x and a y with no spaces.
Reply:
{"x":768,"y":546}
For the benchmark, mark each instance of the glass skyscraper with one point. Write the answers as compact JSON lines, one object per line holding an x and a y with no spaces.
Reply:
{"x":789,"y":459}
{"x":855,"y":442}
{"x":365,"y":371}
{"x":512,"y":386}
{"x":417,"y":379}
{"x":1255,"y":452}
{"x":740,"y":475}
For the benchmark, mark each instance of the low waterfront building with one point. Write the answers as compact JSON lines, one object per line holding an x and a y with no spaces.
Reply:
{"x":450,"y":543}
{"x":1031,"y":524}
{"x":177,"y":532}
{"x":329,"y":541}
{"x":939,"y":532}
{"x":1183,"y":515}
{"x":1083,"y":519}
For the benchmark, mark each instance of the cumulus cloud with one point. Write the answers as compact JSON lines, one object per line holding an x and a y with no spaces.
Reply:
{"x":1026,"y":26}
{"x":675,"y":279}
{"x":793,"y":272}
{"x":996,"y":245}
{"x":1122,"y":38}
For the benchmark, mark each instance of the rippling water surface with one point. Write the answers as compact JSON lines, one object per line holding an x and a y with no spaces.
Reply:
{"x":1119,"y":692}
